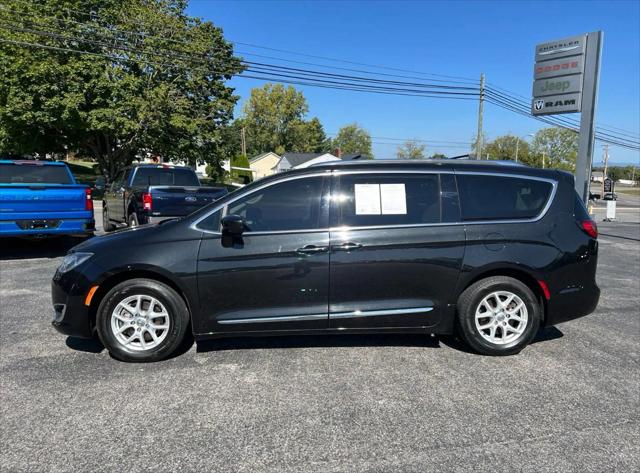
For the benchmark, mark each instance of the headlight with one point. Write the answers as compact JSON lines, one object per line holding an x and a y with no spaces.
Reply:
{"x":72,"y":260}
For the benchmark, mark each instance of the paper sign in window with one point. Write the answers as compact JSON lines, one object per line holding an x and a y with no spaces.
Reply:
{"x":367,"y":199}
{"x":393,"y":199}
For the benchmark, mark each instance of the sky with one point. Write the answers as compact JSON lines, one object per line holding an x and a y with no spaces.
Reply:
{"x":450,"y":38}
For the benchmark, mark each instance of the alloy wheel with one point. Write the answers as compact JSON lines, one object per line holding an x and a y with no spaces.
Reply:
{"x":140,"y":322}
{"x":501,"y":317}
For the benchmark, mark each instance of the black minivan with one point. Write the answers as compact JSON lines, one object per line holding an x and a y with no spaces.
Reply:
{"x":487,"y":250}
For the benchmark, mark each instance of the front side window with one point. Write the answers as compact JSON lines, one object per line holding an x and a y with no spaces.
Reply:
{"x":378,"y":200}
{"x":489,"y":197}
{"x":286,"y":206}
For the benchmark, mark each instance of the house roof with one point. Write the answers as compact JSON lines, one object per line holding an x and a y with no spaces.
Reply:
{"x":351,"y":156}
{"x":296,"y":159}
{"x":260,"y":156}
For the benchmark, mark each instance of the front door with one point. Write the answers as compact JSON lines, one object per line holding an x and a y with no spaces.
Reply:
{"x":275,"y":277}
{"x":396,"y":249}
{"x":114,"y":197}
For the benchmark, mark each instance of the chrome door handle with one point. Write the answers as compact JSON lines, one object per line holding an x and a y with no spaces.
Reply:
{"x":311,"y":249}
{"x":348,"y":246}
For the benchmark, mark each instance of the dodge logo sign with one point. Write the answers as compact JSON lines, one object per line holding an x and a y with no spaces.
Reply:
{"x":538,"y":104}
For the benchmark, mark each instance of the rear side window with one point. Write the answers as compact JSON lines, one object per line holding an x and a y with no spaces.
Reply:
{"x":33,"y":174}
{"x":485,"y":197}
{"x":398,"y":199}
{"x":164,"y":177}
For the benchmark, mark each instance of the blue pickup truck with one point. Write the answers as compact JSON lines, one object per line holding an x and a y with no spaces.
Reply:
{"x":42,"y":198}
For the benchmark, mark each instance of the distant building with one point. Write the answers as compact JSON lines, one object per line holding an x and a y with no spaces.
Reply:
{"x":597,"y":176}
{"x":302,"y":160}
{"x":264,"y":164}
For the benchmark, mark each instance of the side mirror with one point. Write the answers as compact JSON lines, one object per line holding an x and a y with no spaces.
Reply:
{"x":233,"y":225}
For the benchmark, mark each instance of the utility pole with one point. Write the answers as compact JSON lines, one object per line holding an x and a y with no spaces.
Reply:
{"x":544,"y":156}
{"x":243,"y":140}
{"x":606,"y":164}
{"x":480,"y":114}
{"x":517,"y":145}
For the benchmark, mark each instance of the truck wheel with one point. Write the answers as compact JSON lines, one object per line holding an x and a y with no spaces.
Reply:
{"x":142,"y":320}
{"x":133,"y":220}
{"x":106,"y":223}
{"x":498,"y":315}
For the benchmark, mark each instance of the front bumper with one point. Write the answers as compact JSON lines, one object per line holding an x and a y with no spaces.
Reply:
{"x":71,"y":316}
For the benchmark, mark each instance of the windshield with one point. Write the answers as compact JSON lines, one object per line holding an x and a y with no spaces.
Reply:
{"x":11,"y":173}
{"x":165,"y":177}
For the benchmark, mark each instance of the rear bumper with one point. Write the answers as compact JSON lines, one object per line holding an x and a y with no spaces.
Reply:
{"x":572,"y":303}
{"x":47,"y":226}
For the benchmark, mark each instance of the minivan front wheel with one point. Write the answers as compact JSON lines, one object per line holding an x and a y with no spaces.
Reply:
{"x":142,"y":320}
{"x":498,"y":315}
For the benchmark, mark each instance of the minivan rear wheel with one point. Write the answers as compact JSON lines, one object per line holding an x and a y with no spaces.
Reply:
{"x":498,"y":315}
{"x":142,"y":320}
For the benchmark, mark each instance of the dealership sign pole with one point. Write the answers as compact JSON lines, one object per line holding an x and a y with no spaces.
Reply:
{"x":565,"y":80}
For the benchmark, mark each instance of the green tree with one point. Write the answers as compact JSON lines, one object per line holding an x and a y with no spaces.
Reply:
{"x":149,"y":79}
{"x":353,"y":139}
{"x":411,"y":149}
{"x":310,"y":137}
{"x":274,"y":117}
{"x":558,"y":147}
{"x":242,"y":176}
{"x":438,"y":156}
{"x":505,"y":147}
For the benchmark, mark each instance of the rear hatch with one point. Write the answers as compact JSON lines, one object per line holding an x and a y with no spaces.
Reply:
{"x":39,"y":191}
{"x":178,"y":201}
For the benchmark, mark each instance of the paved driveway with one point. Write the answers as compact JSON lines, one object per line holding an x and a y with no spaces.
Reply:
{"x":569,"y":402}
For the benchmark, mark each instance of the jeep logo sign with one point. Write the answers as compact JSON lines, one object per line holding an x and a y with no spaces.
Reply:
{"x":557,"y":85}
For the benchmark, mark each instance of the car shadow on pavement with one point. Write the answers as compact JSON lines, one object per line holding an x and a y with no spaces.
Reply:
{"x":22,"y":248}
{"x":319,"y":341}
{"x":87,"y":345}
{"x":544,"y":334}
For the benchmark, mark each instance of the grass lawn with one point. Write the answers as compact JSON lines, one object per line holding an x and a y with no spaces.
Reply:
{"x":628,"y":190}
{"x":84,"y":171}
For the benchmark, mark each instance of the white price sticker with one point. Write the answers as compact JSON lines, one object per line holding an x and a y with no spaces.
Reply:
{"x":393,"y":199}
{"x":367,"y":199}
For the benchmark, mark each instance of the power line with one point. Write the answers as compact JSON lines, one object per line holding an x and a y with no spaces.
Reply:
{"x":279,"y":73}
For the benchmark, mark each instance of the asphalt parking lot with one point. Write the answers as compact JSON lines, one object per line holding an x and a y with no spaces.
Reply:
{"x":569,"y":402}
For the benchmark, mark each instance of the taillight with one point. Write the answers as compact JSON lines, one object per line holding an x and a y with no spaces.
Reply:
{"x":589,"y":227}
{"x":88,"y":201}
{"x":147,"y":201}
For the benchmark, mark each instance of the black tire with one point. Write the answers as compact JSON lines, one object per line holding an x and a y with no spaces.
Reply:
{"x":106,"y":223}
{"x":471,"y":298}
{"x":177,"y":313}
{"x":132,"y":221}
